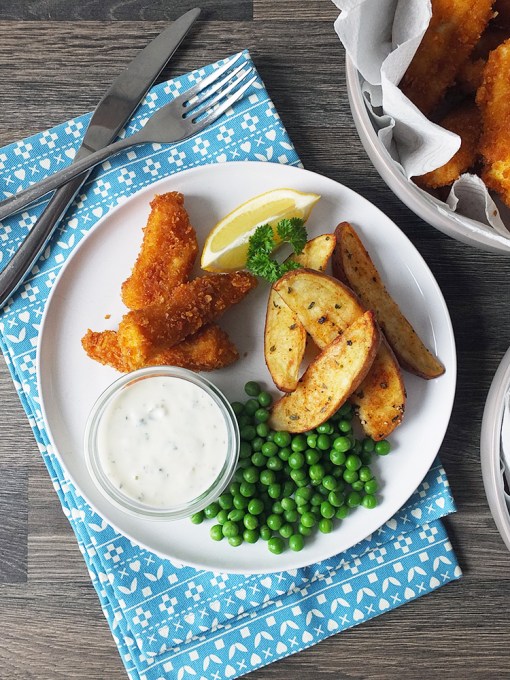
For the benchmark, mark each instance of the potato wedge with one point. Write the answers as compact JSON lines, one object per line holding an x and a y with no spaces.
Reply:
{"x":330,"y":379}
{"x":326,"y":307}
{"x":353,"y":265}
{"x":284,"y":336}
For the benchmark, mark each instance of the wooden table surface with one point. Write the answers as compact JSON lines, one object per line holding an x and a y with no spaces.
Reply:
{"x":57,"y":57}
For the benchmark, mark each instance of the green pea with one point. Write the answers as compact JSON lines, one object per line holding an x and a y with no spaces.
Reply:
{"x":255,"y":506}
{"x":243,"y":464}
{"x":337,"y":457}
{"x":267,"y":477}
{"x":308,"y":519}
{"x":323,"y":442}
{"x":353,"y":462}
{"x":247,"y":489}
{"x":274,"y":490}
{"x":251,"y":406}
{"x":354,"y":499}
{"x":250,"y":521}
{"x":311,"y":441}
{"x":235,"y":541}
{"x":274,"y":522}
{"x":298,"y":443}
{"x":342,"y":512}
{"x":286,"y":530}
{"x":369,"y":501}
{"x":230,"y":529}
{"x":277,"y":508}
{"x":274,"y":463}
{"x":357,"y":448}
{"x":285,"y":453}
{"x":288,"y":503}
{"x":216,"y":532}
{"x":252,"y":388}
{"x":350,"y":476}
{"x":197,"y":517}
{"x":236,"y":515}
{"x":325,"y":428}
{"x":305,"y":531}
{"x":237,"y":407}
{"x":269,"y":449}
{"x":282,"y":439}
{"x":306,"y":493}
{"x":288,"y":488}
{"x":257,"y":443}
{"x":330,"y":483}
{"x":298,"y":475}
{"x":342,"y":444}
{"x":261,"y":415}
{"x":245,"y":450}
{"x":366,"y":457}
{"x":345,"y":410}
{"x":248,"y":433}
{"x":312,"y":456}
{"x":327,"y":510}
{"x":250,"y":535}
{"x":371,"y":486}
{"x":276,"y":545}
{"x":243,"y":420}
{"x":368,"y":445}
{"x":336,"y":499}
{"x":270,"y":436}
{"x":296,"y":542}
{"x":262,"y":428}
{"x":240,"y":502}
{"x":251,"y":474}
{"x":326,"y":525}
{"x":365,"y":473}
{"x":316,"y":499}
{"x":358,"y":485}
{"x":383,"y":447}
{"x":316,"y":472}
{"x":211,"y":510}
{"x":291,"y":516}
{"x":265,"y":399}
{"x":238,"y":476}
{"x":258,"y":459}
{"x":265,"y":532}
{"x":306,"y":507}
{"x":222,"y":516}
{"x":344,"y":426}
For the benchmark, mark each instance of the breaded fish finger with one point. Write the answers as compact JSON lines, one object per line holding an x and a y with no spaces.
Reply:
{"x":146,"y":332}
{"x":493,"y":98}
{"x":454,"y":29}
{"x":167,"y":255}
{"x":466,"y":122}
{"x":207,"y":350}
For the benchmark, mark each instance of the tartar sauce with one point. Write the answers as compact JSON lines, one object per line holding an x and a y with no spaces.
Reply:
{"x":162,"y":441}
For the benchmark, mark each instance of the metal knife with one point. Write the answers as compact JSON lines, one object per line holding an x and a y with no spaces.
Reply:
{"x":110,"y":115}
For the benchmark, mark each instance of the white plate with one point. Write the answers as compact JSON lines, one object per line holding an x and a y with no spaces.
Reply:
{"x":88,"y":289}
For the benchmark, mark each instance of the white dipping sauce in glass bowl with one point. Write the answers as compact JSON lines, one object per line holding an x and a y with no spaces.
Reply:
{"x":162,"y":442}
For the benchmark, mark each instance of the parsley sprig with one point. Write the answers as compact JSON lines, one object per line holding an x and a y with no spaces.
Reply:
{"x":262,"y":243}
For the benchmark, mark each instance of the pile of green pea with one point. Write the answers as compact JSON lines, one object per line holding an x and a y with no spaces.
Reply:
{"x":288,"y":486}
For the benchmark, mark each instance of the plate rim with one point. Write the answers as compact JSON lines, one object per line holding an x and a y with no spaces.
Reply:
{"x":150,"y":188}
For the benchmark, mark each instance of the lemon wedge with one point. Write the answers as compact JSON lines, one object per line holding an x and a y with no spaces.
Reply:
{"x":226,"y":247}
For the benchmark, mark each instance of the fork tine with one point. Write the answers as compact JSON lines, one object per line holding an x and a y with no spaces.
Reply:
{"x":195,"y":112}
{"x":198,"y":99}
{"x":209,"y":80}
{"x":216,"y":113}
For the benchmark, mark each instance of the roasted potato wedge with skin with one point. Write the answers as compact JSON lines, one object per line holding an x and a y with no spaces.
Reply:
{"x":284,"y":335}
{"x":353,"y":265}
{"x":330,"y":379}
{"x":326,"y":308}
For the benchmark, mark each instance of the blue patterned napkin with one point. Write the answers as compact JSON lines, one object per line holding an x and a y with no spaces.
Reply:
{"x":170,"y":621}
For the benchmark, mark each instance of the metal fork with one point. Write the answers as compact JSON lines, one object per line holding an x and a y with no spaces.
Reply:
{"x":183,"y":117}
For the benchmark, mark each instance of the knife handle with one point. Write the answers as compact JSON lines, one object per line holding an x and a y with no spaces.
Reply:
{"x":34,"y":243}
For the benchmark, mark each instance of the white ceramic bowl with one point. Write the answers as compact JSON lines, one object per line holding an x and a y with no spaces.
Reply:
{"x":427,"y":207}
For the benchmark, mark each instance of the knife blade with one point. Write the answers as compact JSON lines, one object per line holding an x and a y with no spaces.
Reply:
{"x":111,"y":114}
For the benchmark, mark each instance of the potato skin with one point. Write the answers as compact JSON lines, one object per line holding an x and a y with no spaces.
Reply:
{"x":326,"y":307}
{"x":352,"y":265}
{"x":330,"y":379}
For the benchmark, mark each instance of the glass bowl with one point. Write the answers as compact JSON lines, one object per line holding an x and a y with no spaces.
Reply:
{"x":100,"y":422}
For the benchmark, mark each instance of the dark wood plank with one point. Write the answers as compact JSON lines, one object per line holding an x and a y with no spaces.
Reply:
{"x":313,"y":10}
{"x":119,"y":10}
{"x":14,"y":523}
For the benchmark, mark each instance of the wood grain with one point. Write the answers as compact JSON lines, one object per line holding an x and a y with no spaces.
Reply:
{"x":52,"y":624}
